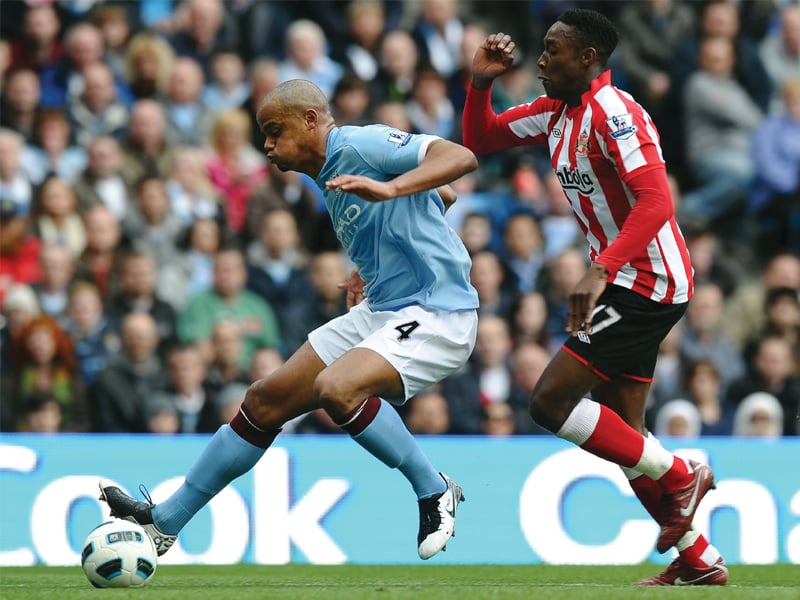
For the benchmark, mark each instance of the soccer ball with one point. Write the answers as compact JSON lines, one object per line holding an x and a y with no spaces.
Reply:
{"x":118,"y":553}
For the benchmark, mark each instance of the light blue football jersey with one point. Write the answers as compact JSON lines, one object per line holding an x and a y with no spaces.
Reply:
{"x":404,"y":249}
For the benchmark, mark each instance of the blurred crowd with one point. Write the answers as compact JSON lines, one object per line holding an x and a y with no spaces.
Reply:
{"x":153,"y":264}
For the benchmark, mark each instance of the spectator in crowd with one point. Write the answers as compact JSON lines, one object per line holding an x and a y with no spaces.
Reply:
{"x":744,"y":315}
{"x":704,"y":390}
{"x":528,"y":361}
{"x":307,"y":58}
{"x":146,"y":148}
{"x":498,"y":419}
{"x":39,"y":46}
{"x":150,"y":224}
{"x":318,"y":299}
{"x":475,"y":230}
{"x":651,"y":34}
{"x":94,"y":338}
{"x":162,"y":416}
{"x":557,"y":282}
{"x":264,"y":75}
{"x":366,"y":24}
{"x":775,"y":197}
{"x":226,"y":357}
{"x":97,"y":109}
{"x":44,"y":361}
{"x":192,"y":270}
{"x":229,"y":300}
{"x":429,"y":107}
{"x":42,"y":413}
{"x":437,"y":33}
{"x":264,"y":362}
{"x":235,"y":168}
{"x":780,"y":53}
{"x":277,"y":264}
{"x":98,"y":262}
{"x":704,"y":337}
{"x":291,"y":191}
{"x":191,"y":193}
{"x":711,"y":263}
{"x":486,"y":378}
{"x":678,"y":418}
{"x":524,"y":251}
{"x":104,"y":180}
{"x":202,"y":30}
{"x":759,"y":415}
{"x":667,"y":376}
{"x":19,"y":249}
{"x":782,"y":309}
{"x":137,"y":294}
{"x":188,"y":392}
{"x":398,"y":67}
{"x":63,"y":81}
{"x":350,"y":103}
{"x":19,"y":306}
{"x":116,"y":31}
{"x":52,"y":151}
{"x":427,"y":413}
{"x":527,"y":319}
{"x":57,"y":278}
{"x":772,"y":370}
{"x":120,"y":393}
{"x":57,"y":220}
{"x":148,"y":64}
{"x":488,"y":276}
{"x":15,"y":187}
{"x":226,"y":87}
{"x":720,"y":119}
{"x":19,"y":102}
{"x":189,"y":119}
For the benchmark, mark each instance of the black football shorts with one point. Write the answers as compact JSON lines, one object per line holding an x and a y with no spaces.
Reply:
{"x":627,"y":329}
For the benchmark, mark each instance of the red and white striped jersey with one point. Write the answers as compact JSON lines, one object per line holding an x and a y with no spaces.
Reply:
{"x":595,"y":150}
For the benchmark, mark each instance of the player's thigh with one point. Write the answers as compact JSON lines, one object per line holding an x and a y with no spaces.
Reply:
{"x":356,"y":375}
{"x":289,"y":391}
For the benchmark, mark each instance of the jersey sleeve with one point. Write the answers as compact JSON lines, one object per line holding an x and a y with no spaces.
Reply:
{"x":630,"y":138}
{"x":485,"y":132}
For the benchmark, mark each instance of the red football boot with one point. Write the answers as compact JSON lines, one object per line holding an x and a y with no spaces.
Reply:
{"x":678,"y":507}
{"x":679,"y":573}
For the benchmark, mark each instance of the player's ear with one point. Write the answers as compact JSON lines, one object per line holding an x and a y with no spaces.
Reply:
{"x":311,"y":118}
{"x":588,"y":55}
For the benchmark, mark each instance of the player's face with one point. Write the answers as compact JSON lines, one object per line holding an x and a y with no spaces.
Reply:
{"x":561,"y":64}
{"x":284,"y":133}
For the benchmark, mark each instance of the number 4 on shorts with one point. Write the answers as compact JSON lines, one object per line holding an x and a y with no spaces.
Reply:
{"x":406,"y":328}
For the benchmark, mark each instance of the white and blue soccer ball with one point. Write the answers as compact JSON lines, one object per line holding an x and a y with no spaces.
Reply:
{"x":118,"y":553}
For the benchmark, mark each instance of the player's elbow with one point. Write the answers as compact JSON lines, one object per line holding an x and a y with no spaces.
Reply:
{"x":468,"y":161}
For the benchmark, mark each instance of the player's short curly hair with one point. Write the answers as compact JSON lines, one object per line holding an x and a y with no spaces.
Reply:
{"x":594,"y":30}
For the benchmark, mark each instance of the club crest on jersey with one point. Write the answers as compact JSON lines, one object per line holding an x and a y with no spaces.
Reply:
{"x":582,"y":145}
{"x":399,"y":137}
{"x":620,"y":128}
{"x":573,"y":179}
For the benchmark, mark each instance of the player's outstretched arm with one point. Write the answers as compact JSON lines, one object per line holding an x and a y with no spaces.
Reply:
{"x":444,"y":162}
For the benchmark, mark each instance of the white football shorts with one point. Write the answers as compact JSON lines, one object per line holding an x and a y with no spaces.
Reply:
{"x":422,"y":344}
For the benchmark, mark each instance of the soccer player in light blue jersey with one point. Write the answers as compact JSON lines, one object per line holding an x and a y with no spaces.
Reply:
{"x":386,"y":191}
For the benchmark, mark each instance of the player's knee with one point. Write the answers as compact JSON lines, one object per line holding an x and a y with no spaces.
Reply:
{"x":261,"y":406}
{"x":332,"y":394}
{"x":544,"y":408}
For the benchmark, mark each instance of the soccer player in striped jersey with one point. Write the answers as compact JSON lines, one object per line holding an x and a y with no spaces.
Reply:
{"x":605,"y":151}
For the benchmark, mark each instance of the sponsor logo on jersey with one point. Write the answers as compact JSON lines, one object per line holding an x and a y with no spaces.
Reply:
{"x":620,"y":128}
{"x":573,"y":179}
{"x":399,"y":137}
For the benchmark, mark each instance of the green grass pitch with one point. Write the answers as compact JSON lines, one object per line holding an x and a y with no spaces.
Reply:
{"x":354,"y":582}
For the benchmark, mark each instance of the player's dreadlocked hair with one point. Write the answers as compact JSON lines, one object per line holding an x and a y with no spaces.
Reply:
{"x":593,"y":29}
